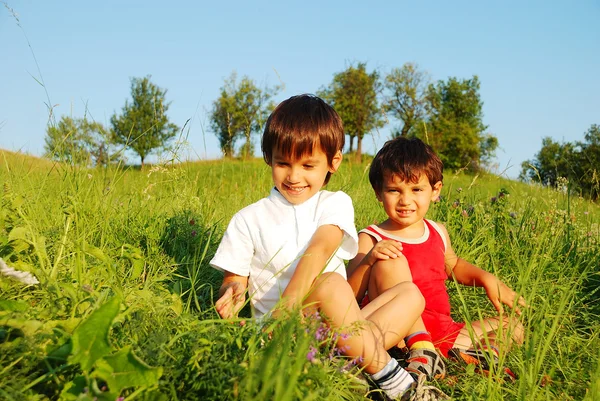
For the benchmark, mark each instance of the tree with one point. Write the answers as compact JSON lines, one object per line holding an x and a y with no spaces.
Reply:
{"x":143,"y":125}
{"x":353,"y":94}
{"x":404,"y":98}
{"x":78,"y":141}
{"x":454,"y":124}
{"x":239,"y":112}
{"x":578,"y":162}
{"x":554,"y":160}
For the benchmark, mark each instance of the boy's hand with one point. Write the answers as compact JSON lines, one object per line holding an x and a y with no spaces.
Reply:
{"x":232,"y":300}
{"x":499,"y":293}
{"x":386,"y":249}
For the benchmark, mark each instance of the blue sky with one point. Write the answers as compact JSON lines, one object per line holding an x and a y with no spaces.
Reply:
{"x":537,"y":61}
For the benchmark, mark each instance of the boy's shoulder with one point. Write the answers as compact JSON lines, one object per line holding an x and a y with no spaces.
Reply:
{"x":336,"y":195}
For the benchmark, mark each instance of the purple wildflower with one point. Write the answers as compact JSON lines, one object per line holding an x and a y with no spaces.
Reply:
{"x":312,"y":353}
{"x":513,"y":215}
{"x":321,"y":333}
{"x":194,"y":233}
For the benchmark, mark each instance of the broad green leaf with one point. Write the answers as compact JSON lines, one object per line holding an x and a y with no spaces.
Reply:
{"x":14,"y":306}
{"x":17,"y":202}
{"x":76,"y":390}
{"x":94,"y":252}
{"x":18,"y":233}
{"x":123,"y":369}
{"x":28,"y":327}
{"x":137,"y":267}
{"x":90,"y":339}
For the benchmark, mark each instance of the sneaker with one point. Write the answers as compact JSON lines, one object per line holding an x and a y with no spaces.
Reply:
{"x":421,"y":392}
{"x":426,"y":362}
{"x":418,"y":391}
{"x":486,"y":361}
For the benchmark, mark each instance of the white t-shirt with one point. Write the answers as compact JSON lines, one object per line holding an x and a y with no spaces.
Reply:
{"x":264,"y":241}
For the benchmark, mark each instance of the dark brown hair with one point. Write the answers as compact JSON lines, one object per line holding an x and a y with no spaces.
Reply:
{"x":298,"y":125}
{"x":407,"y":158}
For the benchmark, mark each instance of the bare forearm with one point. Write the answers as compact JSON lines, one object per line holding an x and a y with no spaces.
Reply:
{"x":469,"y":274}
{"x":230,"y":280}
{"x":307,"y":270}
{"x":358,"y":277}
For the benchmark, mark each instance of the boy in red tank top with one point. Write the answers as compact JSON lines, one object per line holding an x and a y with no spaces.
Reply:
{"x":406,"y":176}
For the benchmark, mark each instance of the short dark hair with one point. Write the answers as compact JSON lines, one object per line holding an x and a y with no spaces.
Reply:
{"x":298,"y":125}
{"x":407,"y":158}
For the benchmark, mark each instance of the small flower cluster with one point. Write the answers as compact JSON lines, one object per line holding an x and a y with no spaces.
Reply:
{"x":327,"y":343}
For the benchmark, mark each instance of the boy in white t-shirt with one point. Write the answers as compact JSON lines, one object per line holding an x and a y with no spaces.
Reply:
{"x":287,"y":250}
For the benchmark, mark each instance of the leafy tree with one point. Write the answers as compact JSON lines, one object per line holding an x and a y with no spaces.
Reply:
{"x":550,"y":163}
{"x":454,"y":124}
{"x":404,"y":98}
{"x":239,"y":112}
{"x":353,"y":94}
{"x":143,"y":125}
{"x":578,"y":162}
{"x":78,"y":141}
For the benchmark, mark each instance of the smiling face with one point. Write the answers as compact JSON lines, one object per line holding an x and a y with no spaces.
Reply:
{"x":299,"y":179}
{"x":406,"y":202}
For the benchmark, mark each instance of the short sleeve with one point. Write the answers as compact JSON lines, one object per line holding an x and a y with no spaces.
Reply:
{"x":236,"y":249}
{"x":337,"y":210}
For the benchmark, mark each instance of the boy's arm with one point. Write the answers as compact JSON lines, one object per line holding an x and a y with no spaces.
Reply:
{"x":232,"y":295}
{"x":468,"y":274}
{"x":323,"y":244}
{"x":359,"y":268}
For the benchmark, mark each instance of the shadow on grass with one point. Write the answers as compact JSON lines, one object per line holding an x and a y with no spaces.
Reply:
{"x":192,"y":245}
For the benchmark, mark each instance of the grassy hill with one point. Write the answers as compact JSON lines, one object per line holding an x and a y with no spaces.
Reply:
{"x":124,"y":304}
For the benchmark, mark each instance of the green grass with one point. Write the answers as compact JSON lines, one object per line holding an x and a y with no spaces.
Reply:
{"x":144,"y":238}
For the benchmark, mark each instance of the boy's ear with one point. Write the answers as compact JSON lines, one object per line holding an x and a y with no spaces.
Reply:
{"x":336,"y":162}
{"x":437,"y":189}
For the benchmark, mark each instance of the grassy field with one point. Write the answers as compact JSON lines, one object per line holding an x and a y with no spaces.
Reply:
{"x":124,"y":304}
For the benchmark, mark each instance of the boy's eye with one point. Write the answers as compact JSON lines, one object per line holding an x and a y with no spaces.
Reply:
{"x":308,"y":166}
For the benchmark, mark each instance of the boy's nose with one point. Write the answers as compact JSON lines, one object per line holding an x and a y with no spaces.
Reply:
{"x":293,"y":175}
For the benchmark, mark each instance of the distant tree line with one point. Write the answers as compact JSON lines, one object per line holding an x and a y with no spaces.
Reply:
{"x":447,"y":114}
{"x":142,"y":126}
{"x":575,"y":164}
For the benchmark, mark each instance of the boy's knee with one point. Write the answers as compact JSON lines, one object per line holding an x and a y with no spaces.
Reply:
{"x":411,"y":291}
{"x":391,"y":268}
{"x":327,"y":284}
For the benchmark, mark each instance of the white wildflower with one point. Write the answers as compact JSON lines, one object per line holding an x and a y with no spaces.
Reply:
{"x":23,"y":277}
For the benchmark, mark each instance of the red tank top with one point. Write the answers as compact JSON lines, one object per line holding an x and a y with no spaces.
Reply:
{"x":425,"y":257}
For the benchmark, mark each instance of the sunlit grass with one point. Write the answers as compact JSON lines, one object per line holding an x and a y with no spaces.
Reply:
{"x":147,"y":236}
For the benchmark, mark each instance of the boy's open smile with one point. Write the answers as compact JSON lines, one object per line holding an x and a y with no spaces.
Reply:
{"x":406,"y":203}
{"x":299,"y":179}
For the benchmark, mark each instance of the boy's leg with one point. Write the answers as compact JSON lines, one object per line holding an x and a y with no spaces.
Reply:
{"x":368,"y":335}
{"x":489,"y":335}
{"x":384,"y":275}
{"x":501,"y":333}
{"x":423,"y":357}
{"x":371,"y":331}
